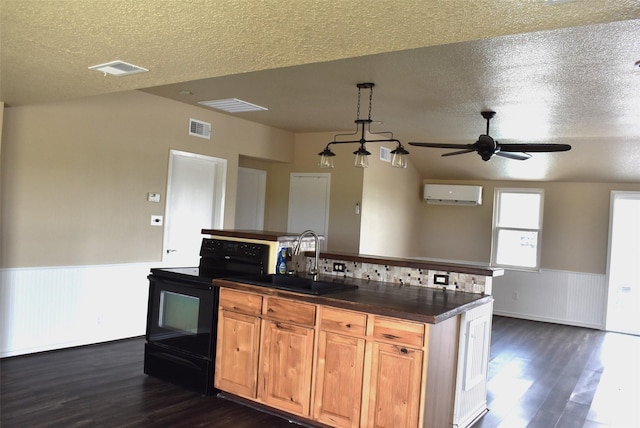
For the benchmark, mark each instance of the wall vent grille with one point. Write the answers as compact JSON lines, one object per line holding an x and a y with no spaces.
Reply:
{"x":197,"y":128}
{"x":385,"y":154}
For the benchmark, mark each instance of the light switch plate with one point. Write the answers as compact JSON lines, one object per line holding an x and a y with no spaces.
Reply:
{"x":153,"y":197}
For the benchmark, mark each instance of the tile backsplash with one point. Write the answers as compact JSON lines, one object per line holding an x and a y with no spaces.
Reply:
{"x":397,"y":275}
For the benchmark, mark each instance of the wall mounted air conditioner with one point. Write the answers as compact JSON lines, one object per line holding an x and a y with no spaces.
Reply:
{"x":450,"y":194}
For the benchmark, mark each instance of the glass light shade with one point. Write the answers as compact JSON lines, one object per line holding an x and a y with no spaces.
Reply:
{"x":399,"y":160}
{"x":362,"y":160}
{"x":326,"y":161}
{"x":362,"y":157}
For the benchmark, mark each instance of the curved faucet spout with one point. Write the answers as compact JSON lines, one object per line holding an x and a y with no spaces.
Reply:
{"x":314,"y":269}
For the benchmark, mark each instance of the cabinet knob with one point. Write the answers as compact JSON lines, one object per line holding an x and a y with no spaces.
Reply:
{"x":404,"y":350}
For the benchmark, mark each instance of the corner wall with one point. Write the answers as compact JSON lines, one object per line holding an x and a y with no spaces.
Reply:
{"x":571,"y":286}
{"x":76,"y":241}
{"x":345,"y":192}
{"x":391,"y":200}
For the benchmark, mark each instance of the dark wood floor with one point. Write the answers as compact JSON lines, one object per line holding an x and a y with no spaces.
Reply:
{"x":540,"y":376}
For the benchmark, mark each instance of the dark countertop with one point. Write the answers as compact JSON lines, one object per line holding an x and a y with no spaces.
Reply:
{"x":422,"y":304}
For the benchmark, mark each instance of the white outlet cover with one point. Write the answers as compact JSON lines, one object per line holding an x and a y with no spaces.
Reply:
{"x":156,"y":220}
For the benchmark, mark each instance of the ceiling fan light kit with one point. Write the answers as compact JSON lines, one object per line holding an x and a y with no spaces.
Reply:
{"x":399,"y":159}
{"x":486,"y":146}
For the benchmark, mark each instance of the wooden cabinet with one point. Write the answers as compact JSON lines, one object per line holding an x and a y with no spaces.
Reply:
{"x":394,"y":361}
{"x":360,"y":369}
{"x":238,"y":343}
{"x":286,"y":355}
{"x":237,"y":353}
{"x":265,"y":349}
{"x":369,"y":370}
{"x":340,"y":367}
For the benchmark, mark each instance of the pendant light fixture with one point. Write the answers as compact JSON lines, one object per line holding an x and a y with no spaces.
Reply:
{"x":399,"y":158}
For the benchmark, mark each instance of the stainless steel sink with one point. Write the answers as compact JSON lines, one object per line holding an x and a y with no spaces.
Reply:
{"x":300,"y":283}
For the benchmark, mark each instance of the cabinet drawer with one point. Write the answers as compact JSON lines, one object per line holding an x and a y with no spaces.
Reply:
{"x":341,"y":321}
{"x":238,"y":301}
{"x":289,"y":311}
{"x":405,"y":332}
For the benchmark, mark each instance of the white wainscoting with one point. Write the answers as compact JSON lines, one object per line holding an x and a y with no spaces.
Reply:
{"x":571,"y":298}
{"x":47,"y":308}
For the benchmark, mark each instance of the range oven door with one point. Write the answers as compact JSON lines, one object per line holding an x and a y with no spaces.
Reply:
{"x":181,"y":315}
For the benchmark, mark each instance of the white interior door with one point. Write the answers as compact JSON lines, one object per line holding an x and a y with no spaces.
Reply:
{"x":623,"y":305}
{"x":250,"y":199}
{"x":195,"y":201}
{"x":309,"y":203}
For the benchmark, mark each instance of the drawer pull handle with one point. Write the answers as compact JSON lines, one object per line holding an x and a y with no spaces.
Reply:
{"x":404,"y":350}
{"x":348,"y":326}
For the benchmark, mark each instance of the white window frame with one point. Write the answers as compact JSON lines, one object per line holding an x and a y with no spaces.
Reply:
{"x":496,"y":228}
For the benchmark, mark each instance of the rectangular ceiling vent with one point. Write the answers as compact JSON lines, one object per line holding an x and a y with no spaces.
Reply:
{"x":197,"y":128}
{"x":232,"y":105}
{"x":118,"y":68}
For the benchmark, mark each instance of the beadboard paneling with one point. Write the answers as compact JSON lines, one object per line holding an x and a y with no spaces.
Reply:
{"x":571,"y":298}
{"x":47,"y":308}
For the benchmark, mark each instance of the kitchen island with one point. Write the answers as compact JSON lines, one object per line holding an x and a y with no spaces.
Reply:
{"x":380,"y":355}
{"x":408,"y":347}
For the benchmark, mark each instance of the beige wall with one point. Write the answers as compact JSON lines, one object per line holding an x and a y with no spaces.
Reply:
{"x":575,"y":229}
{"x":391,"y":204}
{"x":345,"y":192}
{"x":75,"y":175}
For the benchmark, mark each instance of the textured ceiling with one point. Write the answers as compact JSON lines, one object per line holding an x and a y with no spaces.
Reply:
{"x":562,"y":73}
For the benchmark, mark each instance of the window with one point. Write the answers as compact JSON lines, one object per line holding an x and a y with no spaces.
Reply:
{"x":517,"y":228}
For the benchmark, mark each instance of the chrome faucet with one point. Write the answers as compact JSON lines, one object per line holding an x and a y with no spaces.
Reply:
{"x":314,"y":269}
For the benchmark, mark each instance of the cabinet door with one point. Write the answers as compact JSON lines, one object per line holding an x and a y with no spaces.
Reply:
{"x":237,"y":353}
{"x":473,"y":360}
{"x":393,"y":385}
{"x":339,"y":373}
{"x":286,"y":358}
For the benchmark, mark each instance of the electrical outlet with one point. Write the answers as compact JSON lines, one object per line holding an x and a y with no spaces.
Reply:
{"x":440,"y":279}
{"x":339,"y":267}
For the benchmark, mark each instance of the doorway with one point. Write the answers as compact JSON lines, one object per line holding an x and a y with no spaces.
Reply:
{"x":250,"y":199}
{"x":195,"y":201}
{"x":623,"y":304}
{"x":309,"y":204}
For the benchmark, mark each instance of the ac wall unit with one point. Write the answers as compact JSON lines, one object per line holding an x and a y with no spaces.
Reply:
{"x":449,"y":194}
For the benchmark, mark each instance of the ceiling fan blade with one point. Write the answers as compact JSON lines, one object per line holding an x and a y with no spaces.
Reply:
{"x":538,"y":148}
{"x":444,"y":145}
{"x":511,"y":155}
{"x":460,"y":152}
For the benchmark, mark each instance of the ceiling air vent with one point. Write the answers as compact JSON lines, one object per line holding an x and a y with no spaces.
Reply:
{"x":118,"y":68}
{"x":232,"y":105}
{"x":200,"y":129}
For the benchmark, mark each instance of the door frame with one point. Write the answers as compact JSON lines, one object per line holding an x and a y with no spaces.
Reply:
{"x":220,"y":187}
{"x":614,"y":195}
{"x":327,"y":177}
{"x":262,"y":176}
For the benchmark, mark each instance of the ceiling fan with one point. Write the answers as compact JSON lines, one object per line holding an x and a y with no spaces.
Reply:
{"x":486,"y":146}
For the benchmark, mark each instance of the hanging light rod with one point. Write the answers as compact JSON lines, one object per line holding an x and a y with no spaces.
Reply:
{"x":399,"y":158}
